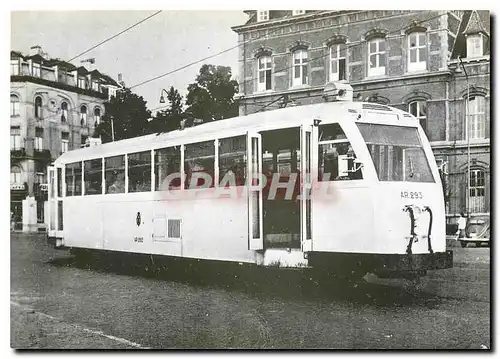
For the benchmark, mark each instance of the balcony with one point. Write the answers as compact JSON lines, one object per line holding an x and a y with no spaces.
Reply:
{"x":42,"y":155}
{"x":17,"y":152}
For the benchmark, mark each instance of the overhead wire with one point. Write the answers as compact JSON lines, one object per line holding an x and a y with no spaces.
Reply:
{"x":116,"y":35}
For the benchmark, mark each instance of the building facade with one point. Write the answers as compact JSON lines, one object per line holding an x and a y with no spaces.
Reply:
{"x":434,"y":64}
{"x":54,"y":107}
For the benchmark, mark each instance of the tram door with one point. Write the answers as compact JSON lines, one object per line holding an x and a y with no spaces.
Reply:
{"x":55,"y":201}
{"x":254,"y":171}
{"x":308,"y":173}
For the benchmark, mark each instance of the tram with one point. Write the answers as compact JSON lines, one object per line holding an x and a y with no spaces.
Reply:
{"x":338,"y":186}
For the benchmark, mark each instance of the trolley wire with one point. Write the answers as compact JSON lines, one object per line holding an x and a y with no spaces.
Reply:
{"x":116,"y":35}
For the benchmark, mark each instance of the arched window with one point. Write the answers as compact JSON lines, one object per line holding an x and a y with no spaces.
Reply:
{"x":419,"y":110}
{"x":300,"y":68}
{"x":14,"y":105}
{"x":337,"y":62}
{"x":265,"y":66}
{"x":83,"y":115}
{"x":15,"y":175}
{"x":376,"y":57}
{"x":97,"y":115}
{"x":417,"y":51}
{"x":64,"y":110}
{"x":38,"y":107}
{"x":477,"y":190}
{"x":477,"y":117}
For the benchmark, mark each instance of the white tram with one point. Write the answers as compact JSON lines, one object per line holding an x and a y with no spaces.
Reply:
{"x":336,"y":186}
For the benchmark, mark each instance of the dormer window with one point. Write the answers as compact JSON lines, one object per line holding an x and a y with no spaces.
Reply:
{"x":474,"y":45}
{"x":95,"y":85}
{"x":14,"y":67}
{"x":262,"y":15}
{"x":298,"y":12}
{"x":82,"y":83}
{"x":36,"y":70}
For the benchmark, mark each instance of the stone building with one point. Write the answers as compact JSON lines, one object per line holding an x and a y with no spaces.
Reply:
{"x":406,"y":59}
{"x":54,"y":108}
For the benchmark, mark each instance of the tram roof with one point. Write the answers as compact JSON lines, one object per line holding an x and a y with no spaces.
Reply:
{"x":291,"y":117}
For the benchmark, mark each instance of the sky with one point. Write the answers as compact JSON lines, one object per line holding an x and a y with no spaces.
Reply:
{"x":161,"y":44}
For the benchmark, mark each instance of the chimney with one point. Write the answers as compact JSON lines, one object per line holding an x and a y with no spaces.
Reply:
{"x":35,"y":50}
{"x":89,"y":64}
{"x":120,"y":80}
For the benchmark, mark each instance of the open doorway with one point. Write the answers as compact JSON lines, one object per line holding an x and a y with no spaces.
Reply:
{"x":281,"y":213}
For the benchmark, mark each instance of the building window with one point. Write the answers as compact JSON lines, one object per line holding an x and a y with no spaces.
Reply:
{"x":299,"y":68}
{"x":139,"y":172}
{"x":38,"y":107}
{"x":95,"y":85}
{"x":265,"y":65}
{"x":38,"y":138}
{"x":64,"y":142}
{"x":477,"y":118}
{"x":15,"y":175}
{"x":15,"y":138}
{"x":419,"y":110}
{"x":417,"y":49}
{"x":298,"y":12}
{"x":83,"y":115}
{"x":474,"y":46}
{"x":82,"y":83}
{"x":376,"y":57}
{"x":84,"y":140}
{"x":476,"y":191}
{"x":14,"y":67}
{"x":97,"y":115}
{"x":262,"y":15}
{"x":337,"y":62}
{"x":14,"y":105}
{"x":64,"y":110}
{"x":36,"y":70}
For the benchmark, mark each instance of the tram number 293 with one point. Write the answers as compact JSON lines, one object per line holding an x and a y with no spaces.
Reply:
{"x":412,"y":195}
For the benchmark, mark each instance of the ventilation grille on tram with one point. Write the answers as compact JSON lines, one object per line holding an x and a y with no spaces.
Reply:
{"x":374,"y":106}
{"x":174,"y":228}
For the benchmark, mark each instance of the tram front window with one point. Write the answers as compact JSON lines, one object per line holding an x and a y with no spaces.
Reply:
{"x":397,"y":153}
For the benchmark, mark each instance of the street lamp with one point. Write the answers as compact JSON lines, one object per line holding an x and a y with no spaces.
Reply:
{"x":162,"y":99}
{"x":467,"y":197}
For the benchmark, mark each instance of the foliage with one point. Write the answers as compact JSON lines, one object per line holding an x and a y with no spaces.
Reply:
{"x":169,"y":119}
{"x":129,"y":114}
{"x":211,"y":97}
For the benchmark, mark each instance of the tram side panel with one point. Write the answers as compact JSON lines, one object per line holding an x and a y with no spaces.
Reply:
{"x":83,"y":222}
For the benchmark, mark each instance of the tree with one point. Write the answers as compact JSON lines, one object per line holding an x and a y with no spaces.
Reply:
{"x":211,"y":97}
{"x":169,"y":119}
{"x":129,"y":115}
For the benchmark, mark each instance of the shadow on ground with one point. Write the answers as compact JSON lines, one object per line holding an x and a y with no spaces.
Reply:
{"x":256,"y":281}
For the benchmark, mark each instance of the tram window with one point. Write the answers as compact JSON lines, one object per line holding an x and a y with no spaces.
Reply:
{"x":335,"y":155}
{"x":59,"y":182}
{"x":74,"y":179}
{"x":114,"y":168}
{"x":397,"y":153}
{"x":331,"y":132}
{"x":92,"y":175}
{"x":233,"y":159}
{"x":139,"y":172}
{"x":199,"y":158}
{"x":167,"y":162}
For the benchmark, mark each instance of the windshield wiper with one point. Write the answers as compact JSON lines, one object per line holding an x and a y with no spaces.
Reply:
{"x":411,"y":167}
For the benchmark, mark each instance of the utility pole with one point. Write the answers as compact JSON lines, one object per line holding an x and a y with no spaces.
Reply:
{"x":467,"y":134}
{"x":112,"y":130}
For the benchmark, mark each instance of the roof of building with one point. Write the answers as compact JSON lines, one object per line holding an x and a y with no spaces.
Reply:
{"x":473,"y":22}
